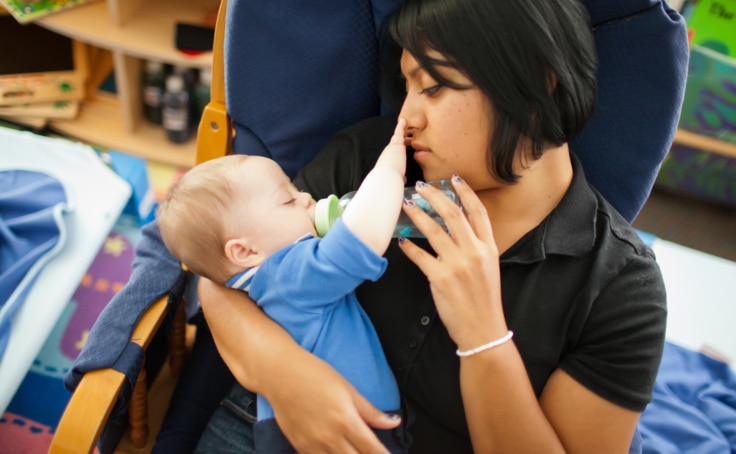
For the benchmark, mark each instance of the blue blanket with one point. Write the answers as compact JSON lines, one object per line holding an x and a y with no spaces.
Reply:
{"x":32,"y":231}
{"x":694,"y":405}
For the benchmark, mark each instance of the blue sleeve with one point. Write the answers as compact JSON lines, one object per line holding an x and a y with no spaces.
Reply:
{"x":314,"y":272}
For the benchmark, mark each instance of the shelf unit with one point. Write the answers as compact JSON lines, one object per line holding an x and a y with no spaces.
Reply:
{"x":701,"y":142}
{"x":133,"y":31}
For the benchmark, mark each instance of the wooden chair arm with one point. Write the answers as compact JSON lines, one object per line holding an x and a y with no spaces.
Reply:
{"x":89,"y":407}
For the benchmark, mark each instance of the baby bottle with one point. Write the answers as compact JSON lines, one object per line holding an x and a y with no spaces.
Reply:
{"x":330,"y":208}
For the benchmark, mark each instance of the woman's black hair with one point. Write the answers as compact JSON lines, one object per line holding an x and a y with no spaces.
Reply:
{"x":534,"y":59}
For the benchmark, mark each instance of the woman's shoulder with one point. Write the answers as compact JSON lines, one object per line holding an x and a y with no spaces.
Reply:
{"x":621,"y":230}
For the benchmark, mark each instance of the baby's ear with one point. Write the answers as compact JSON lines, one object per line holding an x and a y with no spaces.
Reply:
{"x":241,"y":254}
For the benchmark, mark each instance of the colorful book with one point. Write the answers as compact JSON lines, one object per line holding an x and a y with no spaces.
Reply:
{"x":709,"y":107}
{"x":712,"y":24}
{"x":54,"y":109}
{"x":29,"y":10}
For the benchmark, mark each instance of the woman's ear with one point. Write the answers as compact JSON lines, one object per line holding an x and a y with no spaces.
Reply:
{"x":240,"y":253}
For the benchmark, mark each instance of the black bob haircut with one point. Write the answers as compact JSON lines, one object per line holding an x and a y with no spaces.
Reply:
{"x":534,"y":59}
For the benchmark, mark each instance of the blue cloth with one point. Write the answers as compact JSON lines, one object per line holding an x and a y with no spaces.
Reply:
{"x":694,"y":405}
{"x":32,"y":231}
{"x":309,"y":289}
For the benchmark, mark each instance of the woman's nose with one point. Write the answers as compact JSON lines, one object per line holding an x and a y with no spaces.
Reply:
{"x":412,"y":113}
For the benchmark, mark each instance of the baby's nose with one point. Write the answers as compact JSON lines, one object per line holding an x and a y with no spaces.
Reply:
{"x":306,"y":199}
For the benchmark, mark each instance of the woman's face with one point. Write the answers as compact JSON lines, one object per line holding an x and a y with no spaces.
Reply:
{"x":449,"y":128}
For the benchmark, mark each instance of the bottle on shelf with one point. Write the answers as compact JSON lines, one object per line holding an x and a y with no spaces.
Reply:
{"x":154,"y":85}
{"x":176,"y":109}
{"x":329,"y":209}
{"x":202,"y":92}
{"x":191,"y":79}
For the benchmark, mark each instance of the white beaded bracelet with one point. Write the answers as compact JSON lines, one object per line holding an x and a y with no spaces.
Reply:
{"x":487,"y":346}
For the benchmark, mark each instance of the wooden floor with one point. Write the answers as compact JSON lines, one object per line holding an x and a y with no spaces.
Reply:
{"x":694,"y":223}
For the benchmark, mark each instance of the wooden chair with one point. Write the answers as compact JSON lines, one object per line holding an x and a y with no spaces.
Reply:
{"x":91,"y":404}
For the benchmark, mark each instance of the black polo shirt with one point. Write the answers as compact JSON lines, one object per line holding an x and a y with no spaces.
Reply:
{"x":581,"y":292}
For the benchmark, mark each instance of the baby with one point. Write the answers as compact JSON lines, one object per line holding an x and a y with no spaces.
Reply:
{"x":239,"y":221}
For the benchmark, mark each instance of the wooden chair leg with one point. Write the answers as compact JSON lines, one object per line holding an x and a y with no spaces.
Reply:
{"x":138,"y":412}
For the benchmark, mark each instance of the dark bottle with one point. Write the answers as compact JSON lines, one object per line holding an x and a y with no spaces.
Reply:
{"x":202,"y":92}
{"x":153,"y":91}
{"x":176,"y":110}
{"x":191,"y":79}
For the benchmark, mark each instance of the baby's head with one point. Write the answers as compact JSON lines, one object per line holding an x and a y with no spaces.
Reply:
{"x":231,"y":213}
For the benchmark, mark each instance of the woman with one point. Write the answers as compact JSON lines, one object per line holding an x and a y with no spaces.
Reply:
{"x":494,"y":92}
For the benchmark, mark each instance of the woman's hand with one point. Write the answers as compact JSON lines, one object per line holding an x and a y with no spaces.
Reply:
{"x":464,"y":276}
{"x":316,"y":408}
{"x":320,"y":412}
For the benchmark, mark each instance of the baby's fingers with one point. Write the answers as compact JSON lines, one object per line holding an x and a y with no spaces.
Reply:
{"x":398,"y":137}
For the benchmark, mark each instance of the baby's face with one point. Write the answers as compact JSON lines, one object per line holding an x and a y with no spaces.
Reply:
{"x":273,"y":212}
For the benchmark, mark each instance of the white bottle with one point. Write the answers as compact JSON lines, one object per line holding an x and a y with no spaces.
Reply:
{"x":329,"y":209}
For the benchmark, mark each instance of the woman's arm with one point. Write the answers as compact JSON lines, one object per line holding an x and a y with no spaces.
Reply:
{"x":315,"y":407}
{"x":503,"y":412}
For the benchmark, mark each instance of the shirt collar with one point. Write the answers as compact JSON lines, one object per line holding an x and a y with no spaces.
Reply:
{"x":243,"y":279}
{"x":568,"y":230}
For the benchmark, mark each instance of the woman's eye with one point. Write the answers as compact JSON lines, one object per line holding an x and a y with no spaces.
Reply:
{"x":430,"y":91}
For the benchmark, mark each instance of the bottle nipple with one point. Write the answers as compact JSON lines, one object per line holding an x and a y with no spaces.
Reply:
{"x":326,"y":213}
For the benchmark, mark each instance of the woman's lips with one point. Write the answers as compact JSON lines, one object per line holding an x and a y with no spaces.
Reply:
{"x":419,"y":151}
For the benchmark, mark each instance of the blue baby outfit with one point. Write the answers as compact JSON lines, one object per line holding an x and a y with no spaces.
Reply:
{"x":309,"y":289}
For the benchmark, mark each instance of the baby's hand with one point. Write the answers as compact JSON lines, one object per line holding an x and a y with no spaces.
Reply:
{"x":394,"y":155}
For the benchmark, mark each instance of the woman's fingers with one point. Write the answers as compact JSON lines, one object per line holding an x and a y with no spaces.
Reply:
{"x":474,"y":209}
{"x":464,"y":276}
{"x":451,"y":214}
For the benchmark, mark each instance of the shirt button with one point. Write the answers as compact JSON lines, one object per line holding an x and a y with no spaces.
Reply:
{"x":413,"y":343}
{"x":424,"y":320}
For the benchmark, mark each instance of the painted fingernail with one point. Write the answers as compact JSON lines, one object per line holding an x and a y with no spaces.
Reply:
{"x":409,"y":203}
{"x":420,"y":184}
{"x":456,"y":178}
{"x":402,"y":240}
{"x":392,"y":416}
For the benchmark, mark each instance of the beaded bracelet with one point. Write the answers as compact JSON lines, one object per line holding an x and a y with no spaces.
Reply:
{"x":487,"y":346}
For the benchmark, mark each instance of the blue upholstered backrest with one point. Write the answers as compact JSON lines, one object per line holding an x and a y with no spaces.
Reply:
{"x":296,"y":72}
{"x":642,"y":54}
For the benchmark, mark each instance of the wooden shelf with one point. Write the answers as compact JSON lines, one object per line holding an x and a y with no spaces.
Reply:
{"x":133,"y":31}
{"x":701,"y":142}
{"x":99,"y":124}
{"x":149,"y":34}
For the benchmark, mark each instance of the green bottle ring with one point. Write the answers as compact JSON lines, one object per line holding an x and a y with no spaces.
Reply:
{"x":326,"y":213}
